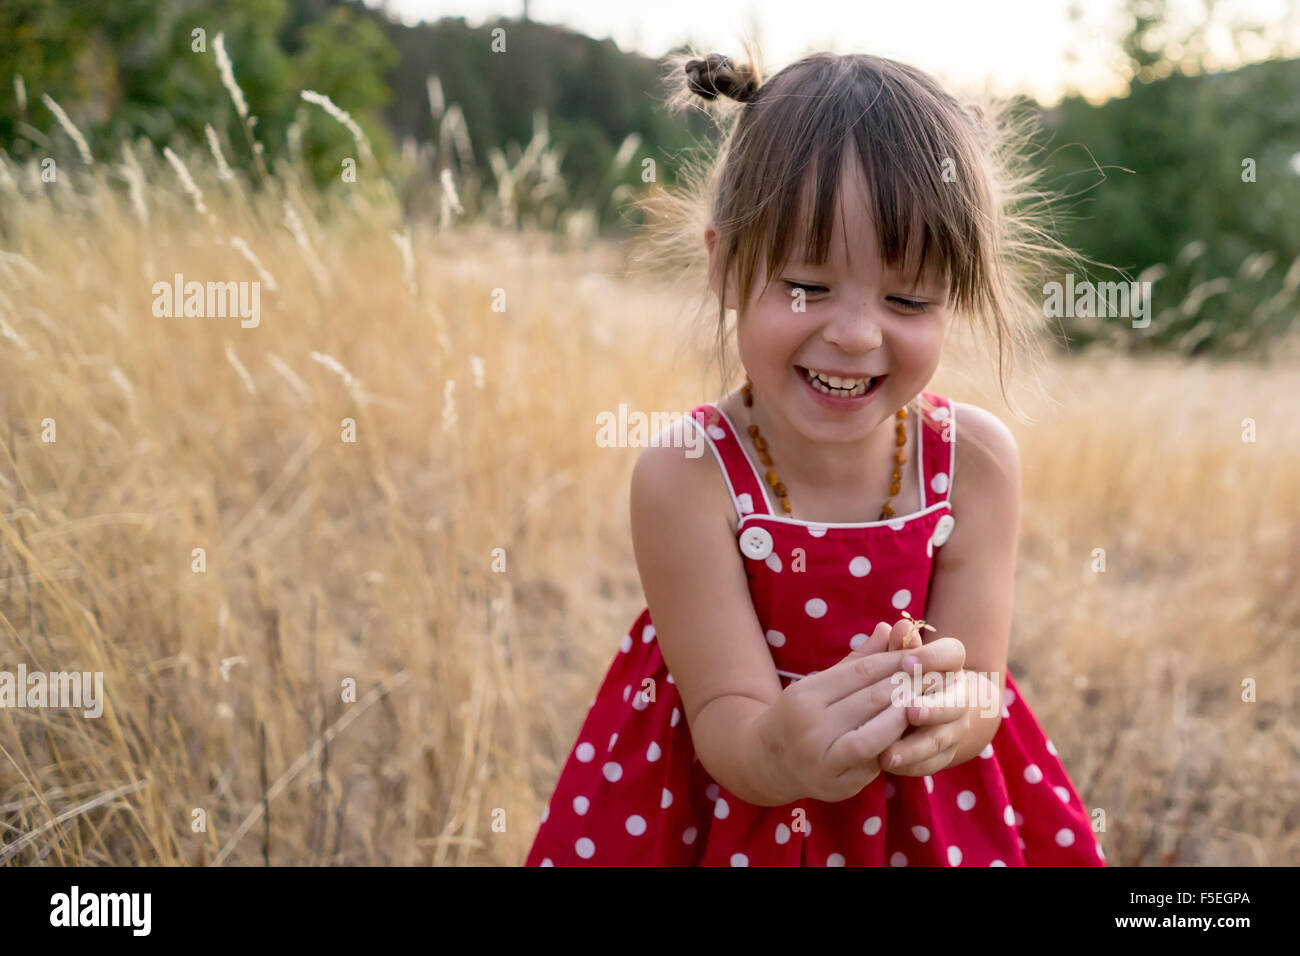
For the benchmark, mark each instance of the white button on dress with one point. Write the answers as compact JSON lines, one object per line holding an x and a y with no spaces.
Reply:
{"x":756,"y":543}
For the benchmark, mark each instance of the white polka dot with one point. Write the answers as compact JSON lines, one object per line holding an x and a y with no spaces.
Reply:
{"x":581,"y":805}
{"x":857,"y":640}
{"x":929,"y":548}
{"x":721,"y":808}
{"x":942,"y":531}
{"x":653,"y":752}
{"x":817,"y":530}
{"x":739,"y":859}
{"x":782,"y":833}
{"x":627,"y":691}
{"x":672,"y":721}
{"x":939,"y":483}
{"x":585,"y":848}
{"x":1005,"y":714}
{"x":872,"y":826}
{"x":665,"y":799}
{"x":1022,"y":843}
{"x":815,"y":608}
{"x":997,"y":863}
{"x":1063,"y":793}
{"x":921,"y":833}
{"x":835,"y":859}
{"x":890,"y":790}
{"x":670,"y":679}
{"x":689,"y":835}
{"x":612,"y":738}
{"x":548,"y":862}
{"x":711,"y":791}
{"x":647,"y":634}
{"x":1033,"y":774}
{"x":585,"y":752}
{"x":965,"y":800}
{"x":773,"y":562}
{"x":1065,"y":837}
{"x":901,"y":599}
{"x":1051,"y":748}
{"x":987,"y":752}
{"x":1099,"y":853}
{"x":860,"y":567}
{"x":546,"y":812}
{"x":716,"y":433}
{"x":639,"y":701}
{"x":954,"y":856}
{"x":929,"y":783}
{"x":612,"y":771}
{"x":898,"y":859}
{"x":1009,"y":815}
{"x":1008,"y":697}
{"x":636,"y":824}
{"x":776,"y":638}
{"x":895,"y":524}
{"x":626,"y":644}
{"x":746,"y":503}
{"x":1020,"y":819}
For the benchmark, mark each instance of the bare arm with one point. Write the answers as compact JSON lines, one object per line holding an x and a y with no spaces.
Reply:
{"x":694,"y":580}
{"x":972,"y":590}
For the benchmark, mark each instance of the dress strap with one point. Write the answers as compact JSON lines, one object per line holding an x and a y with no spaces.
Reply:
{"x":938,"y":430}
{"x":743,"y":481}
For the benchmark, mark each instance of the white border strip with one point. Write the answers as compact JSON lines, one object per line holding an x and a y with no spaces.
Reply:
{"x":762,"y":485}
{"x":722,"y":466}
{"x":952,"y":454}
{"x":862,"y":524}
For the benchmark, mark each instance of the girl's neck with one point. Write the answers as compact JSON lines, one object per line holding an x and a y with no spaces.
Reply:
{"x":830,"y":481}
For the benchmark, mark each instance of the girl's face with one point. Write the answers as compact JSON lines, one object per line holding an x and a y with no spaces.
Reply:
{"x":860,"y":321}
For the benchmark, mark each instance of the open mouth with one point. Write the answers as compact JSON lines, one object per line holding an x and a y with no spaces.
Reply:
{"x":839,"y":387}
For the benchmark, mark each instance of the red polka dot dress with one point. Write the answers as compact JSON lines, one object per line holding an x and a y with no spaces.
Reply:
{"x":633,"y":792}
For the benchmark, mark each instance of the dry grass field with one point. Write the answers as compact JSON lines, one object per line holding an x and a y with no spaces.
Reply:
{"x":350,"y":466}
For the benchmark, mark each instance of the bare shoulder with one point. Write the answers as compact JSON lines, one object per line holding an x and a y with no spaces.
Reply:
{"x":988,"y":460}
{"x":679,"y":484}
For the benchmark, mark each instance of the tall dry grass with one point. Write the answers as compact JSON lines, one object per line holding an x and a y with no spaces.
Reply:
{"x":371,"y":561}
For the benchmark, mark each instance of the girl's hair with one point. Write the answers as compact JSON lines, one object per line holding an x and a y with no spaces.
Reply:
{"x":950,"y":187}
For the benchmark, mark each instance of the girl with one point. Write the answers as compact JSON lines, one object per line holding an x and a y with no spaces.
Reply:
{"x":770,"y":714}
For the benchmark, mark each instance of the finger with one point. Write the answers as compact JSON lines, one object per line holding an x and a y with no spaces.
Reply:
{"x":945,"y":704}
{"x":875,"y":643}
{"x":941,"y":654}
{"x":898,"y":632}
{"x":933,"y":765}
{"x":894,"y":691}
{"x":854,"y":673}
{"x":923,"y":745}
{"x":929,"y":712}
{"x":853,"y":749}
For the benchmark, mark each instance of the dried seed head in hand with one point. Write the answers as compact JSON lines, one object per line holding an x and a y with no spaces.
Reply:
{"x":912,"y":638}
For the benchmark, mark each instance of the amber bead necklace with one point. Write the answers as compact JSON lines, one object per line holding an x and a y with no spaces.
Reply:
{"x":900,"y":456}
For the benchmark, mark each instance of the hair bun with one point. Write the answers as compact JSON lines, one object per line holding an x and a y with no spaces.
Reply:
{"x":717,"y":74}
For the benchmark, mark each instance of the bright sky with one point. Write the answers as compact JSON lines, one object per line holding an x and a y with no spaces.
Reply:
{"x":1006,"y":46}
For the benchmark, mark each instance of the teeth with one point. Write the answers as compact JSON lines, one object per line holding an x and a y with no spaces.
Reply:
{"x":834,"y":385}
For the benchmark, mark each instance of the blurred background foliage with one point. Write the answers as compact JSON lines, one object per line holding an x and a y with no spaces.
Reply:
{"x":1156,"y":179}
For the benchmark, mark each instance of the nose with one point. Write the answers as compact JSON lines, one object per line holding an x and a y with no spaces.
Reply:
{"x":855,"y":330}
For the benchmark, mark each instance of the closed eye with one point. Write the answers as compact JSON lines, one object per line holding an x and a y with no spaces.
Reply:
{"x":913,"y":305}
{"x":807,"y":288}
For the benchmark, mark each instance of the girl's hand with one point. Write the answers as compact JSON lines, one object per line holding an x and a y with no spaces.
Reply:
{"x":939,"y":729}
{"x":826,"y":732}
